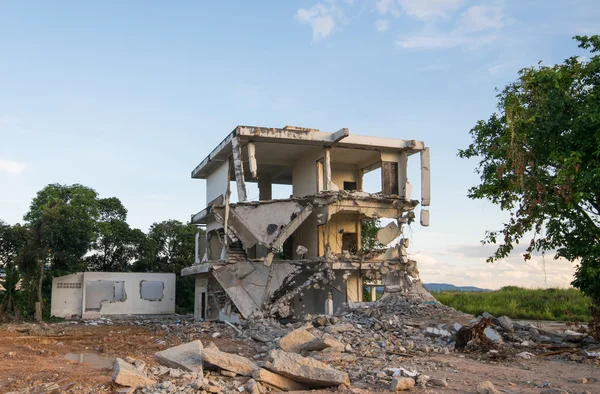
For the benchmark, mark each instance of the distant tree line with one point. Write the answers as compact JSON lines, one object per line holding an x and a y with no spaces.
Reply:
{"x":69,"y":229}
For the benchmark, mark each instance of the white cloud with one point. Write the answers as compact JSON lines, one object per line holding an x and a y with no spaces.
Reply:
{"x":322,"y":18}
{"x":474,"y":27}
{"x":465,"y":265}
{"x":439,"y":40}
{"x":482,"y":17}
{"x":385,"y":7}
{"x":430,"y":9}
{"x":12,"y":167}
{"x":7,"y":119}
{"x":382,"y":25}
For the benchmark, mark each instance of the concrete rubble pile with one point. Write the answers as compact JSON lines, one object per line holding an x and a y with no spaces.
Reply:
{"x":374,"y":346}
{"x":192,"y":367}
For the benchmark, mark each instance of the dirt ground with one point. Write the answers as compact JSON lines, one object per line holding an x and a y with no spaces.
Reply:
{"x":32,"y":355}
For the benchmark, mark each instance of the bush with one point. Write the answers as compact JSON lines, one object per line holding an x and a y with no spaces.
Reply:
{"x":519,"y":303}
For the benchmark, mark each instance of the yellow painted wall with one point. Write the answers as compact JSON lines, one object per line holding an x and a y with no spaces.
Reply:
{"x":330,"y":232}
{"x":344,"y":172}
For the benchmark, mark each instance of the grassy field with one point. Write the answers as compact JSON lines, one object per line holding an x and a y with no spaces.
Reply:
{"x":519,"y":303}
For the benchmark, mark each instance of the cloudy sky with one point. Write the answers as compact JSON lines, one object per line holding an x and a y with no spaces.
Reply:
{"x":127,"y":97}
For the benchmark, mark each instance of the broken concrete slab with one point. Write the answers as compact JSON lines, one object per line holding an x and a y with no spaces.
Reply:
{"x":492,"y":335}
{"x":340,"y":328}
{"x":327,"y":342}
{"x":305,"y":370}
{"x":277,"y":381}
{"x":126,"y":374}
{"x":296,"y":340}
{"x":230,"y":362}
{"x":506,"y":323}
{"x":438,"y":332}
{"x":187,"y":356}
{"x":388,"y":233}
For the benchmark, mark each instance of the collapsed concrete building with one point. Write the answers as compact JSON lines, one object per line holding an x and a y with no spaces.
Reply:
{"x":303,"y":255}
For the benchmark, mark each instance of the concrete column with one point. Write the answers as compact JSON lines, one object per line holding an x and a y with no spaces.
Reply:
{"x":196,"y":257}
{"x":403,"y":176}
{"x":252,"y":160}
{"x":329,"y":305}
{"x":425,"y":178}
{"x":238,"y":168}
{"x":265,"y":187}
{"x":327,"y":169}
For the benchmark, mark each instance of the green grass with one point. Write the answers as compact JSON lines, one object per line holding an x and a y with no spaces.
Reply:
{"x":519,"y":303}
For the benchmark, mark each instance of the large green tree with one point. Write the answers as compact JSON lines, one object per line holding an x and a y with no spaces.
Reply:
{"x":66,"y":216}
{"x":539,"y":159}
{"x":61,"y":221}
{"x":116,"y":244}
{"x":170,"y":247}
{"x":12,"y":240}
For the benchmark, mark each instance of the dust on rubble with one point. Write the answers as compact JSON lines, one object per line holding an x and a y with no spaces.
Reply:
{"x":395,"y":344}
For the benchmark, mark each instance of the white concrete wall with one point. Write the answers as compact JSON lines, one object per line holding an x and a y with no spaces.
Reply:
{"x":133,"y":304}
{"x":216,"y":182}
{"x":304,"y":173}
{"x":67,"y":295}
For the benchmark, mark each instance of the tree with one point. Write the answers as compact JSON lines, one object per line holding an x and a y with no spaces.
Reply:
{"x":540,"y":160}
{"x":66,"y":216}
{"x":170,"y":247}
{"x":115,"y":245}
{"x":12,"y":240}
{"x":61,"y":221}
{"x":368,"y":234}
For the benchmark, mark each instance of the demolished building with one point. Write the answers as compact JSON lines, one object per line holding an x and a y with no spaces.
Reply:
{"x":303,"y":255}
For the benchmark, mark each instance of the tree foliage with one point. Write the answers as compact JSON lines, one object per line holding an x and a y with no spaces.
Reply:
{"x":12,"y":240}
{"x":116,"y":244}
{"x":540,"y":160}
{"x":68,"y":229}
{"x":368,"y":235}
{"x":170,"y":247}
{"x":66,"y":217}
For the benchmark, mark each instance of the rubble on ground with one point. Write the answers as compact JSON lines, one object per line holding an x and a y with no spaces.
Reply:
{"x":372,"y":346}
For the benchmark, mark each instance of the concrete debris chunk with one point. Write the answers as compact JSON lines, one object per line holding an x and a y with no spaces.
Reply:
{"x":295,"y":340}
{"x":253,"y":387}
{"x":438,"y":332}
{"x":486,"y":387}
{"x":306,"y":370}
{"x":340,"y":328}
{"x":277,"y":381}
{"x":187,"y":356}
{"x":230,"y":362}
{"x":401,"y":384}
{"x":492,"y":335}
{"x":506,"y":323}
{"x":126,"y":374}
{"x":327,"y":342}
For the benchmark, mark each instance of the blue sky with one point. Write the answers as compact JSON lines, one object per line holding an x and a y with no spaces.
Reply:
{"x":127,"y":97}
